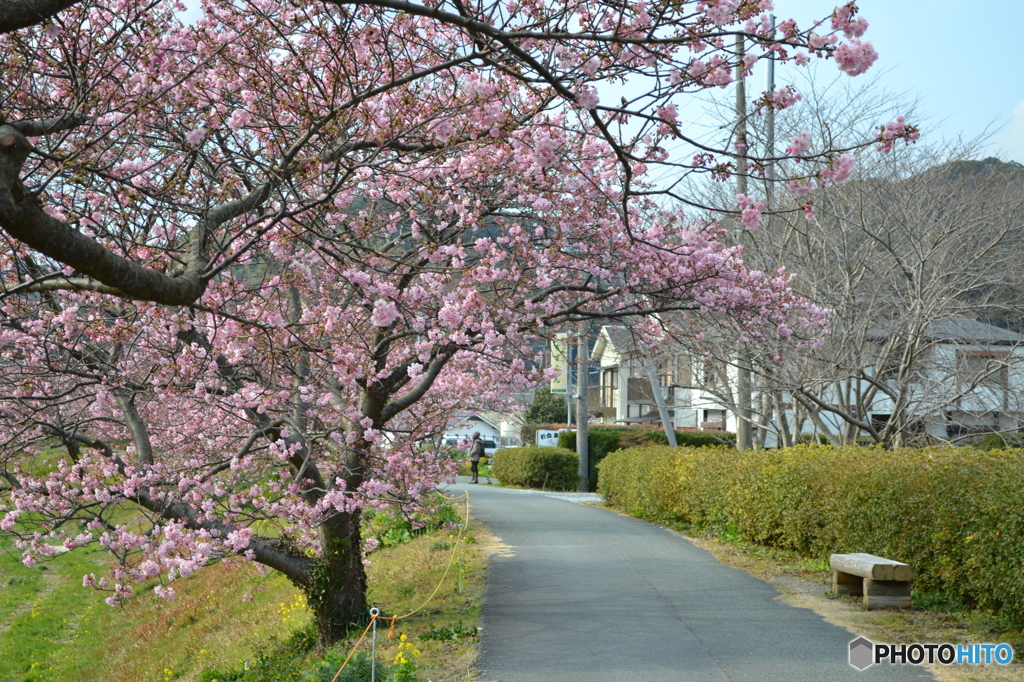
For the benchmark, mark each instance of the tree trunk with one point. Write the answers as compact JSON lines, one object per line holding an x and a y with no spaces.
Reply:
{"x":786,"y":439}
{"x":337,"y":587}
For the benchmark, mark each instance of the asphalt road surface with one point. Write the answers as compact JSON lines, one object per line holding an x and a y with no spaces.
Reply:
{"x":584,"y":593}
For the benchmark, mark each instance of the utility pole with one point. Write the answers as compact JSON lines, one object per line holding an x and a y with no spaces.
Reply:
{"x":582,"y":384}
{"x":743,"y":439}
{"x":568,"y":382}
{"x":659,"y":400}
{"x":770,"y":142}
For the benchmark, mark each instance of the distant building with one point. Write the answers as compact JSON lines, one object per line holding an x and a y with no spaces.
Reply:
{"x":969,"y":381}
{"x":463,"y":428}
{"x":624,"y":394}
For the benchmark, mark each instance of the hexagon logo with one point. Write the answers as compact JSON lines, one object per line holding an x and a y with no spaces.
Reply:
{"x":862,"y":653}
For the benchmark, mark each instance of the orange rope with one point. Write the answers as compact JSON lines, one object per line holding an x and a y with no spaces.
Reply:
{"x":352,"y":653}
{"x":391,"y":630}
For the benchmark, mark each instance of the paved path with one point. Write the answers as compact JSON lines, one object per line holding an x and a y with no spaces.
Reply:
{"x":588,"y":594}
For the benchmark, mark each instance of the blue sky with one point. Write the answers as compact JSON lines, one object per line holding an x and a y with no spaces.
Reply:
{"x":961,"y":58}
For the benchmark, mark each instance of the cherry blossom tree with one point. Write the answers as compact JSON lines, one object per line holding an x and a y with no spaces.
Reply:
{"x":250,"y":264}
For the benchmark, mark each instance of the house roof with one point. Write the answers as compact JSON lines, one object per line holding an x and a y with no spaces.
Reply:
{"x":621,"y":338}
{"x":954,"y":329}
{"x":466,"y":419}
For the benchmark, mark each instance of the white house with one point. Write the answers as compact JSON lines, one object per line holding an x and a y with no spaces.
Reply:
{"x":972,"y":380}
{"x":496,"y":430}
{"x":624,"y":394}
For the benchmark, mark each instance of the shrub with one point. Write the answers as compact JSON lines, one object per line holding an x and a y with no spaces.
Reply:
{"x":546,"y":407}
{"x":955,"y":514}
{"x":396,"y":527}
{"x":604,"y":439}
{"x":535,"y":467}
{"x":999,"y":441}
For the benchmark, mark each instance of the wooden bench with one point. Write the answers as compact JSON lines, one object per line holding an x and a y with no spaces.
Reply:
{"x":882,"y":582}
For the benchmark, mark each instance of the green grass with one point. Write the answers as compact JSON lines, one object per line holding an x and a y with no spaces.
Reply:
{"x":53,"y":629}
{"x":484,"y":470}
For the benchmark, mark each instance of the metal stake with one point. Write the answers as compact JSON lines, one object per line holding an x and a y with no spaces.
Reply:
{"x":374,"y":612}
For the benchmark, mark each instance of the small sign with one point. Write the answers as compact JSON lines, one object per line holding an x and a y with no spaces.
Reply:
{"x":547,"y":438}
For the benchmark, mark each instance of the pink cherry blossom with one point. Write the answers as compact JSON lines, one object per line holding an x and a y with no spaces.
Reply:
{"x":239,"y":119}
{"x":669,"y":112}
{"x":384,"y":313}
{"x":721,"y":12}
{"x":195,"y":136}
{"x":443,"y":130}
{"x":855,"y":57}
{"x":843,"y":20}
{"x":750,"y":210}
{"x":800,"y":144}
{"x":799,"y":187}
{"x":840,"y":168}
{"x":783,"y":98}
{"x":896,"y":130}
{"x":588,"y":97}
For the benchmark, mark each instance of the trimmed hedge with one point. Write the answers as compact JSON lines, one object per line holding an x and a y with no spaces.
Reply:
{"x":955,"y":514}
{"x":535,"y":467}
{"x":604,"y":439}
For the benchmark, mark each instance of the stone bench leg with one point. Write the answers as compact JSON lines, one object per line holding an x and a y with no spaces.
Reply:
{"x":847,"y":583}
{"x":881,"y":593}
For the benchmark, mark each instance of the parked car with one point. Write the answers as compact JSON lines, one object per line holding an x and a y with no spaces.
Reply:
{"x":490,"y":446}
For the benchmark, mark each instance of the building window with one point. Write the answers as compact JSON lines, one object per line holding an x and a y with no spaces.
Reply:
{"x":610,"y":387}
{"x":711,"y":373}
{"x":714,"y":420}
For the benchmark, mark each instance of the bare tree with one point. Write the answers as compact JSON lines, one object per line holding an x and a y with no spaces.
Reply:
{"x":912,"y":264}
{"x":917,"y":259}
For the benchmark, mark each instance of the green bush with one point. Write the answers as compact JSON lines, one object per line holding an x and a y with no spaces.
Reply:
{"x":396,"y":527}
{"x":546,"y":407}
{"x":955,"y":514}
{"x":534,"y":467}
{"x":604,"y":439}
{"x":999,"y":441}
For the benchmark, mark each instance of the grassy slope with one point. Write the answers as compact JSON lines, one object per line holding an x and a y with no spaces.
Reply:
{"x":51,"y":628}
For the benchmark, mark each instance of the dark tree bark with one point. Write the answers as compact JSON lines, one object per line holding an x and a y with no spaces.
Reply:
{"x":18,"y":14}
{"x":336,"y":590}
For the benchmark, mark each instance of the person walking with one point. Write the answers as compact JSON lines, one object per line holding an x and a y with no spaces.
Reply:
{"x":476,"y":451}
